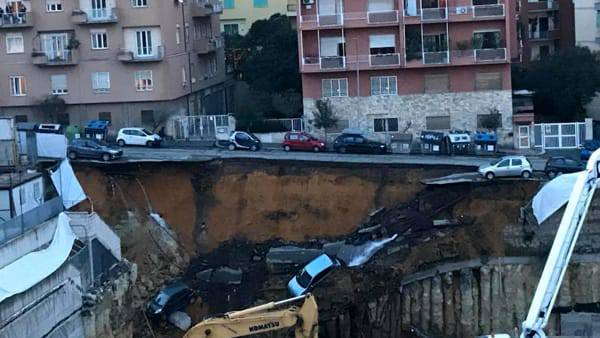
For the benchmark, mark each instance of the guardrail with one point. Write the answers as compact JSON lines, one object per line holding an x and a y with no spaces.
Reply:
{"x":17,"y":226}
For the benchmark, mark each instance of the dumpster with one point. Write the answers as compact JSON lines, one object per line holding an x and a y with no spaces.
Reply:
{"x":485,"y":143}
{"x":431,"y":142}
{"x":400,"y":143}
{"x":458,"y":142}
{"x":97,"y":129}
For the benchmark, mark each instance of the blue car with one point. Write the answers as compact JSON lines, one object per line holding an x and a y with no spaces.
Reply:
{"x":587,"y":148}
{"x":313,"y":273}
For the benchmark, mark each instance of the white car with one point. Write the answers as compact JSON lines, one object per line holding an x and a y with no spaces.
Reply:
{"x":138,"y":137}
{"x":506,"y":167}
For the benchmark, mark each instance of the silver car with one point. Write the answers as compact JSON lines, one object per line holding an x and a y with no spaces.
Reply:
{"x":507,"y":166}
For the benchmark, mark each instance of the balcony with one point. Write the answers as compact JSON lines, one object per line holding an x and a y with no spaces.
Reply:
{"x":64,"y":57}
{"x":544,"y":35}
{"x":436,"y":58}
{"x":95,"y":16}
{"x":329,"y":20}
{"x":488,"y":11}
{"x":149,"y":54}
{"x":17,"y":20}
{"x":384,"y":17}
{"x":384,"y":60}
{"x":207,"y":45}
{"x":333,"y":62}
{"x":200,"y":8}
{"x":434,"y":14}
{"x":489,"y":54}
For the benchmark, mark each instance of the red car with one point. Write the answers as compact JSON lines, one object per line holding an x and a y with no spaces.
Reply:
{"x":302,"y":141}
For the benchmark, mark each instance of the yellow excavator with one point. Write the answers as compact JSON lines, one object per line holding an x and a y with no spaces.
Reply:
{"x":298,"y":312}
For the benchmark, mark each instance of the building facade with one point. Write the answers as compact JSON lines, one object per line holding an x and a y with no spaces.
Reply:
{"x":239,"y":15}
{"x":587,"y":23}
{"x":409,"y":65}
{"x":545,"y":28}
{"x":133,"y":62}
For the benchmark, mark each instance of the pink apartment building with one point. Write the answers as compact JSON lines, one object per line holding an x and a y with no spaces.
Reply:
{"x":409,"y":65}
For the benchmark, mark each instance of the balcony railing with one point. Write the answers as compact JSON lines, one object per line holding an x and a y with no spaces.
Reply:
{"x":384,"y":60}
{"x":543,"y":35}
{"x":95,"y":15}
{"x":61,"y":57}
{"x":433,"y":58}
{"x":333,"y":62}
{"x":434,"y":14}
{"x":489,"y":54}
{"x":16,"y":20}
{"x":205,"y":7}
{"x":486,"y":11}
{"x":382,"y":17}
{"x":147,"y":54}
{"x":325,"y":20}
{"x":207,"y":45}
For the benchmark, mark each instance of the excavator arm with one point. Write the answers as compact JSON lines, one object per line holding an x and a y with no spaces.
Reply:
{"x":263,"y":318}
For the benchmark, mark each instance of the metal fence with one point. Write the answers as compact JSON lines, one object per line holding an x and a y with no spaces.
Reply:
{"x":277,"y":125}
{"x":559,"y":135}
{"x":15,"y":227}
{"x":201,"y":127}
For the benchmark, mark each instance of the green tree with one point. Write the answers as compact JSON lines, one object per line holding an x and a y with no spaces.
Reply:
{"x":564,"y":84}
{"x":491,"y":121}
{"x":271,"y":63}
{"x":324,"y":116}
{"x":51,"y":106}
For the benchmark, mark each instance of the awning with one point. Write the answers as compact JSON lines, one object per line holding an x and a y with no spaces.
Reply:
{"x":553,"y":196}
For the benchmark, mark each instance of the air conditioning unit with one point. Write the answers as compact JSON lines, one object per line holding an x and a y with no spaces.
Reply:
{"x":462,"y":10}
{"x":308,"y":2}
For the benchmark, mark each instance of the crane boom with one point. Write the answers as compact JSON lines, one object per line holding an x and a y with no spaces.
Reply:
{"x":562,"y":248}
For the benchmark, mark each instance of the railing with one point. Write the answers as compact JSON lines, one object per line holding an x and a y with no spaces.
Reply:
{"x":96,"y":15}
{"x":22,"y":19}
{"x":382,"y":17}
{"x":489,"y":54}
{"x":482,"y":11}
{"x":153,"y":53}
{"x":17,"y":226}
{"x":333,"y":62}
{"x":206,"y":7}
{"x":559,"y":135}
{"x":431,"y":58}
{"x":434,"y":14}
{"x":384,"y":59}
{"x":201,"y":127}
{"x":55,"y":57}
{"x":549,"y":34}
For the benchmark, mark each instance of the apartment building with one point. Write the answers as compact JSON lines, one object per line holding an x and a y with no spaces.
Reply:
{"x":239,"y":15}
{"x":409,"y":65}
{"x":587,"y":23}
{"x":132,"y":62}
{"x":545,"y":27}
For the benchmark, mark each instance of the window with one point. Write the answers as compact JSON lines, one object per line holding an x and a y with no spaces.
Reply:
{"x":18,"y":87}
{"x":261,"y":3}
{"x":335,"y":87}
{"x":148,"y":117}
{"x":229,"y":4}
{"x":486,"y":40}
{"x":54,"y":6}
{"x":101,"y":82}
{"x":598,"y":19}
{"x":36,"y":191}
{"x":99,"y":39}
{"x":385,"y":125}
{"x":503,"y":164}
{"x":22,"y":195}
{"x":63,"y":119}
{"x":139,"y":3}
{"x":59,"y":84}
{"x":231,"y":29}
{"x":105,"y":116}
{"x":144,"y":42}
{"x":382,"y":44}
{"x":178,"y":34}
{"x":437,"y":122}
{"x":437,"y":83}
{"x":488,"y":81}
{"x":383,"y":85}
{"x":143,"y":81}
{"x":14,"y":43}
{"x":516,"y":162}
{"x":221,"y":121}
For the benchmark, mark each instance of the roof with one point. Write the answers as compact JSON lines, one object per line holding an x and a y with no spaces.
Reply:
{"x":11,"y":180}
{"x":318,"y":264}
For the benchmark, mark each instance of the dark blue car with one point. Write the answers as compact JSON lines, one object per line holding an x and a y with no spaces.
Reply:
{"x":587,"y":148}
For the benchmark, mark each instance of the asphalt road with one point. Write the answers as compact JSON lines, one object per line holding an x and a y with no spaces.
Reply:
{"x":141,"y":154}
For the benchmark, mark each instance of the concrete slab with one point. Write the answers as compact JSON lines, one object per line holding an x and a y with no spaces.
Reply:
{"x":287,"y":258}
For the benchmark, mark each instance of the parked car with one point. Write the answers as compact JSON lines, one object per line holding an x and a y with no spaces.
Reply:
{"x":587,"y":148}
{"x":507,"y":166}
{"x":92,"y":148}
{"x":302,"y":141}
{"x":558,"y":165}
{"x":138,"y":137}
{"x":312,"y":274}
{"x":356,"y":143}
{"x":172,"y":298}
{"x":244,"y":140}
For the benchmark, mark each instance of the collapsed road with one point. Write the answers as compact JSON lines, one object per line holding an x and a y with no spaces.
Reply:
{"x":241,"y":229}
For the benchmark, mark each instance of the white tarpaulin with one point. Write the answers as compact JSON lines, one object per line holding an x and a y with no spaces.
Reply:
{"x":553,"y":196}
{"x":32,"y":268}
{"x":51,"y":145}
{"x":67,"y":185}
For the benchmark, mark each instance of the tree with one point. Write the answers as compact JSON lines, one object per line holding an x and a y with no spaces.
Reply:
{"x":271,"y":63}
{"x":564,"y":84}
{"x":51,"y":106}
{"x":324,"y":116}
{"x":491,"y":121}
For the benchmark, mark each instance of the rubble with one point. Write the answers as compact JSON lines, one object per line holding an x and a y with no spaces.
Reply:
{"x":286,"y":258}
